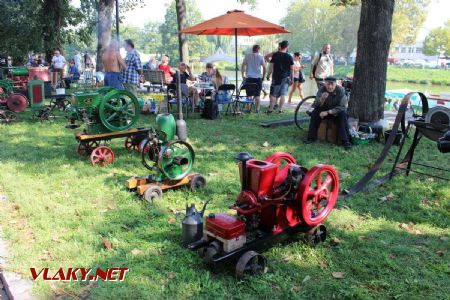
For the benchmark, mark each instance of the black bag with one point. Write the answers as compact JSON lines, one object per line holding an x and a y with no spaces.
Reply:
{"x":314,"y":67}
{"x":210,"y":110}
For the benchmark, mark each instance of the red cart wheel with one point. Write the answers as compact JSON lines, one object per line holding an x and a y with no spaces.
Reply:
{"x":84,"y":149}
{"x":129,"y":144}
{"x":102,"y":156}
{"x":17,"y":102}
{"x":318,"y":193}
{"x":281,"y":159}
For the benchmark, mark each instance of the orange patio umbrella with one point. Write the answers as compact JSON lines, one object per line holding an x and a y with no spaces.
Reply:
{"x":235,"y":22}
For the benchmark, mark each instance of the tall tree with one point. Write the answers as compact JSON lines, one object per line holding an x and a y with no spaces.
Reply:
{"x":374,"y":39}
{"x":438,"y":41}
{"x":409,"y":16}
{"x":181,"y":22}
{"x":169,"y":32}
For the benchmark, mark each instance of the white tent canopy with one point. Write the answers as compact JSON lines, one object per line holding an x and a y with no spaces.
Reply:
{"x":218,"y":56}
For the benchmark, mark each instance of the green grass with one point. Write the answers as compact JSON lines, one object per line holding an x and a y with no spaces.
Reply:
{"x":408,"y":75}
{"x":60,"y":208}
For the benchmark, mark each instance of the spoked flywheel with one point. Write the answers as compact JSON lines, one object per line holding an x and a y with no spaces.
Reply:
{"x":149,"y":152}
{"x":102,"y":156}
{"x":119,"y":110}
{"x":17,"y":102}
{"x":86,"y":148}
{"x":281,"y":159}
{"x":176,"y":159}
{"x":318,"y":193}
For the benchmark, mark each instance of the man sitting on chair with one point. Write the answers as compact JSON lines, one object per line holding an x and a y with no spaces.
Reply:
{"x":330,"y":103}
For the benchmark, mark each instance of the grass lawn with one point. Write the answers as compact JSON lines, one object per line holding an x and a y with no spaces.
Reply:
{"x":60,"y":209}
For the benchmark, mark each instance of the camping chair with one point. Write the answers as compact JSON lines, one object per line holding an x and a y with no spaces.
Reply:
{"x":224,"y":95}
{"x":173,"y":100}
{"x":156,"y":79}
{"x":243,"y":101}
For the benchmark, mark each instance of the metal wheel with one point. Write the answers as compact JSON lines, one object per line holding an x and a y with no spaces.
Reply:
{"x":197,"y":182}
{"x":251,"y":263}
{"x":47,"y":115}
{"x":318,"y":193}
{"x":176,"y":159}
{"x":7,"y":116}
{"x":316,"y":235}
{"x":119,"y":110}
{"x":129,"y":144}
{"x":154,"y":192}
{"x":102,"y":156}
{"x":17,"y":102}
{"x":207,"y":253}
{"x":299,"y":116}
{"x":60,"y":104}
{"x":84,"y":149}
{"x":281,"y":159}
{"x":149,"y":153}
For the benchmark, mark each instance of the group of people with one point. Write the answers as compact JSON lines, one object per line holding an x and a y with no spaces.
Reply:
{"x":286,"y":70}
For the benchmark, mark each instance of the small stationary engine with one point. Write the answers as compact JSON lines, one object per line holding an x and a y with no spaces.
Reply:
{"x":278,"y":198}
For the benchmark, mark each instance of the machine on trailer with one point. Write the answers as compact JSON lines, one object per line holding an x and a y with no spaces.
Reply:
{"x":169,"y":160}
{"x":107,"y":114}
{"x":278,"y":199}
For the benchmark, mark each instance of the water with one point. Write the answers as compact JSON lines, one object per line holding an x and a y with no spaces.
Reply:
{"x":310,"y":88}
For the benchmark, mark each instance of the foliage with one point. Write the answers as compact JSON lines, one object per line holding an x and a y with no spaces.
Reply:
{"x":316,"y":22}
{"x":146,"y":39}
{"x":59,"y":209}
{"x":438,"y":39}
{"x":198,"y":45}
{"x":409,"y":16}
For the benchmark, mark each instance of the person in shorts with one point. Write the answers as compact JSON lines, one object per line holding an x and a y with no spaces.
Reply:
{"x":282,"y":67}
{"x":253,"y":71}
{"x":299,"y":77}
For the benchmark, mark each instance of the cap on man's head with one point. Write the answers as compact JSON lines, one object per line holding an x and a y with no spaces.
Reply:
{"x":330,"y":79}
{"x":284,"y":44}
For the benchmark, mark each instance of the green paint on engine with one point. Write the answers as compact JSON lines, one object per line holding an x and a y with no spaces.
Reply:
{"x":166,"y":124}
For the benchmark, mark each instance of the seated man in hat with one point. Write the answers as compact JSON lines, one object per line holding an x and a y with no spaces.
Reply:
{"x":331,"y":102}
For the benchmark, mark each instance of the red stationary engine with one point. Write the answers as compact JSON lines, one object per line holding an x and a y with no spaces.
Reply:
{"x":278,"y":197}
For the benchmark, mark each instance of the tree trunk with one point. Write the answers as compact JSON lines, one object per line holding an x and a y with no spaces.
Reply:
{"x":374,"y":40}
{"x":182,"y":41}
{"x":51,"y":11}
{"x":104,"y":26}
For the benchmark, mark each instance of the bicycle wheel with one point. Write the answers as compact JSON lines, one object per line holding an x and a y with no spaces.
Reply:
{"x":302,"y":117}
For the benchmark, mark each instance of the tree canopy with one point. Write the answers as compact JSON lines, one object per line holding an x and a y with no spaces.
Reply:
{"x":438,"y":40}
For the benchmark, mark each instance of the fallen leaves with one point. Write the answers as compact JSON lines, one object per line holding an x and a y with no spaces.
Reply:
{"x":335,"y":241}
{"x":386,"y":198}
{"x":107,"y":244}
{"x":171,"y":220}
{"x":338,"y":275}
{"x":295,"y":289}
{"x":171,"y":275}
{"x":408,"y":227}
{"x":440,"y":253}
{"x":266,"y":144}
{"x":126,"y":227}
{"x":307,"y":277}
{"x":136,"y":252}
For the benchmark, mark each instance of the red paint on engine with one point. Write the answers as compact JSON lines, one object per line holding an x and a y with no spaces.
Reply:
{"x":225,"y":226}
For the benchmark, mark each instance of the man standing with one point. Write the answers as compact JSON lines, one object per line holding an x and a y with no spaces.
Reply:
{"x":253,"y":71}
{"x":330,"y":103}
{"x":113,"y":63}
{"x":58,"y":65}
{"x":132,"y":74}
{"x":322,"y":66}
{"x":282,"y":67}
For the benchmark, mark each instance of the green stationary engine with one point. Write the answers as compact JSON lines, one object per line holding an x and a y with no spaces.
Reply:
{"x":104,"y":110}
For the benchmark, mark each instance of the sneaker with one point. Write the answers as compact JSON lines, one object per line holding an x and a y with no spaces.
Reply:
{"x":280,"y":111}
{"x":309,"y":141}
{"x":269,"y":112}
{"x":347,"y":145}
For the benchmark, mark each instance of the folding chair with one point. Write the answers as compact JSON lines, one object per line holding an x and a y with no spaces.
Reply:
{"x":243,"y":101}
{"x":172,"y":98}
{"x":224,"y":95}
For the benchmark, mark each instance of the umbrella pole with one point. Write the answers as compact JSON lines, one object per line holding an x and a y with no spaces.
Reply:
{"x":236,"y":57}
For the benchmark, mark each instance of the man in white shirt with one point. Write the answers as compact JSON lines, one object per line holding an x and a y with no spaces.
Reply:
{"x":58,"y":64}
{"x":322,"y":66}
{"x":253,"y":71}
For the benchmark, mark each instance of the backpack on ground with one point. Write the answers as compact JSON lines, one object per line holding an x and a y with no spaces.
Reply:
{"x":210,"y":110}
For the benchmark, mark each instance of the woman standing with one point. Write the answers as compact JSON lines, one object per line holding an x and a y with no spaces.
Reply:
{"x":299,"y":77}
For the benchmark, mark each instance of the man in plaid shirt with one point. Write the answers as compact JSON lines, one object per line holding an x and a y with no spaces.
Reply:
{"x":132,"y":75}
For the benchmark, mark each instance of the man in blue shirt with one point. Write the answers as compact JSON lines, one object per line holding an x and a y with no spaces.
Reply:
{"x":72,"y":75}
